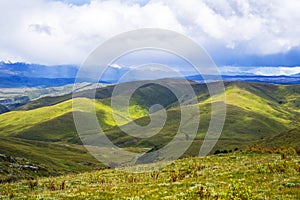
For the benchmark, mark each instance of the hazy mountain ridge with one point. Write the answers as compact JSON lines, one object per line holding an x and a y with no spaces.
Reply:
{"x":13,"y":98}
{"x":285,"y":80}
{"x":37,"y":71}
{"x":18,"y":75}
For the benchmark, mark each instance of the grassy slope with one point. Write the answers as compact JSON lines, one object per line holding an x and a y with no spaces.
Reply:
{"x":145,"y":95}
{"x":230,"y":176}
{"x":55,"y":123}
{"x":16,"y":121}
{"x":45,"y":101}
{"x":254,"y":111}
{"x":250,"y":116}
{"x":57,"y":158}
{"x":289,"y":138}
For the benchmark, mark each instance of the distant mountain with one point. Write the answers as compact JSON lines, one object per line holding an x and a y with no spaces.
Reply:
{"x":18,"y":75}
{"x":37,"y":71}
{"x":19,"y":81}
{"x":286,"y":80}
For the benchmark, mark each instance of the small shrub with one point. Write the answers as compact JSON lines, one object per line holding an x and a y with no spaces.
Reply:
{"x":217,"y":152}
{"x":292,"y":185}
{"x":154,"y":175}
{"x":33,"y":184}
{"x":9,"y":191}
{"x":238,"y":191}
{"x":204,"y":192}
{"x":297,"y":167}
{"x":176,"y":175}
{"x":261,"y":169}
{"x":131,"y":178}
{"x":280,"y":167}
{"x":62,"y":185}
{"x":51,"y":186}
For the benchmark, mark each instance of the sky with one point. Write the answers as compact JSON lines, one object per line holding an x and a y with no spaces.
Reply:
{"x":260,"y":37}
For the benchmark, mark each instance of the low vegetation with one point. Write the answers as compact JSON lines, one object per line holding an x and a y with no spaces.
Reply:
{"x":256,"y":156}
{"x":239,"y":175}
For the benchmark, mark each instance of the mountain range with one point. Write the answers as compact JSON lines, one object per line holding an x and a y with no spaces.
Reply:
{"x":20,"y":75}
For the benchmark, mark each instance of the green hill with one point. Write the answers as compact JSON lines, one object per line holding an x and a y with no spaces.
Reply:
{"x":145,"y":96}
{"x":251,"y":115}
{"x":50,"y":119}
{"x":255,"y":111}
{"x":52,"y":159}
{"x":55,"y":123}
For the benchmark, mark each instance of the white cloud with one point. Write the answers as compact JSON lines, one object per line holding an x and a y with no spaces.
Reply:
{"x":261,"y":71}
{"x":117,"y":66}
{"x":57,"y":32}
{"x":276,"y":71}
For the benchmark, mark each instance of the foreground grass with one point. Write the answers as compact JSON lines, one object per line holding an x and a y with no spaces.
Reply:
{"x":224,"y":176}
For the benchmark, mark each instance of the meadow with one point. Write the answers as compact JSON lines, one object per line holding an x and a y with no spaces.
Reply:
{"x":238,"y":175}
{"x":42,"y":156}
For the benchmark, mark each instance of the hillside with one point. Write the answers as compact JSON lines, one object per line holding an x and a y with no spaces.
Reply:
{"x":255,"y":111}
{"x":51,"y":159}
{"x":224,"y":176}
{"x":55,"y":123}
{"x":252,"y":113}
{"x":289,"y":138}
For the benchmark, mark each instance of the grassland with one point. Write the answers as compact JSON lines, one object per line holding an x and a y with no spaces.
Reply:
{"x":55,"y":123}
{"x":289,"y":138}
{"x":250,"y":116}
{"x":54,"y":159}
{"x":240,"y":175}
{"x":253,"y":113}
{"x":256,"y":113}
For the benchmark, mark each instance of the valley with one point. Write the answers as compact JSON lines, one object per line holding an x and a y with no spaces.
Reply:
{"x":255,"y":111}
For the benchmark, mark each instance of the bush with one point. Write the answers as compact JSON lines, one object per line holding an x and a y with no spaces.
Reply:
{"x":261,"y":169}
{"x":280,"y":167}
{"x":238,"y":191}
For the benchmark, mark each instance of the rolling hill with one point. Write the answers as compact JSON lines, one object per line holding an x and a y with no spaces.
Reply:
{"x":252,"y":114}
{"x":255,"y":111}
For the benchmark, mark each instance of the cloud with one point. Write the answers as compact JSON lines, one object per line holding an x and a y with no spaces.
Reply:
{"x":276,"y":71}
{"x":66,"y":31}
{"x":40,"y":28}
{"x":261,"y":71}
